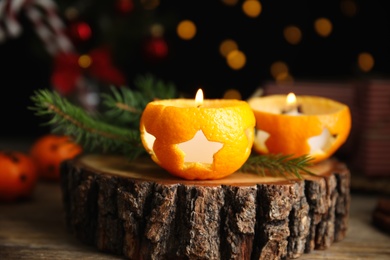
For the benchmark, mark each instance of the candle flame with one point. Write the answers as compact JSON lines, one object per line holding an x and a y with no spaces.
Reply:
{"x":291,"y":99}
{"x":199,"y":98}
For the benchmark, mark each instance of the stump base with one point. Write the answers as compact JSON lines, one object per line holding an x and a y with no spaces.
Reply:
{"x":138,"y":210}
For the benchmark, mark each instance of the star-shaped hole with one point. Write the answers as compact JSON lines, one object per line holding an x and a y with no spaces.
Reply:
{"x":199,"y":149}
{"x":149,"y":140}
{"x":322,"y":142}
{"x":260,"y":138}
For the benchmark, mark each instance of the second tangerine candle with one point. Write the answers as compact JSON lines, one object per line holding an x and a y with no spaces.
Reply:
{"x":320,"y":128}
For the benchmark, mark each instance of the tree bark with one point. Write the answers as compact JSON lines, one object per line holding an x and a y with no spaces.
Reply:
{"x":138,"y":210}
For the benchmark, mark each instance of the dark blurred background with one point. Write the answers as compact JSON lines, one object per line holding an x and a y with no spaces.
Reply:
{"x":143,"y":38}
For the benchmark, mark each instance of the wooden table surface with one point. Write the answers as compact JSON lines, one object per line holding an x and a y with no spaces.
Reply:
{"x":36,"y":229}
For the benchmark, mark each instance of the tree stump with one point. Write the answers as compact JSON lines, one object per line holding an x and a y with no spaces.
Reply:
{"x":138,"y":210}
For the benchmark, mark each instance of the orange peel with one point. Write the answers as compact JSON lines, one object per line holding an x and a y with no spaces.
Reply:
{"x":322,"y":127}
{"x":167,"y":124}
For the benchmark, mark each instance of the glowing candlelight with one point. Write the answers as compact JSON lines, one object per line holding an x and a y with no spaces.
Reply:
{"x":199,"y":98}
{"x":291,"y":105}
{"x":291,"y":99}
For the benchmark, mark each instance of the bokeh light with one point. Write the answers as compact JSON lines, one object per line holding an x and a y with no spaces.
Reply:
{"x":71,"y":13}
{"x":84,"y":61}
{"x":278,"y":68}
{"x":365,"y":61}
{"x":81,"y":31}
{"x":232,"y":94}
{"x":124,"y":6}
{"x":323,"y":26}
{"x":156,"y":48}
{"x":236,"y":59}
{"x":157,"y":30}
{"x":284,"y":78}
{"x":150,"y":4}
{"x":292,"y":34}
{"x":186,"y":30}
{"x":251,"y":8}
{"x":227,"y":46}
{"x":349,"y":7}
{"x":230,"y":2}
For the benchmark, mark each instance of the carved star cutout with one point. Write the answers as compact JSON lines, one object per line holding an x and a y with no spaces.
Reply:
{"x":260,"y":139}
{"x":149,"y":139}
{"x":321,"y":142}
{"x":199,"y":149}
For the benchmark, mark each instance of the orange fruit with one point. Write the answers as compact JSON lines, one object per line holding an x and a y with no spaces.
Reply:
{"x":322,"y":127}
{"x":18,"y":176}
{"x":194,"y":142}
{"x":49,"y":151}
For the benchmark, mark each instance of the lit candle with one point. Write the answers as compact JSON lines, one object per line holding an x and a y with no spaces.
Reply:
{"x":319,"y":131}
{"x":199,"y":98}
{"x":292,"y":108}
{"x":198,"y":139}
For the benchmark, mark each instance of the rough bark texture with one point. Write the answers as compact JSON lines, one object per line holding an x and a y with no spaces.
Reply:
{"x":147,"y":219}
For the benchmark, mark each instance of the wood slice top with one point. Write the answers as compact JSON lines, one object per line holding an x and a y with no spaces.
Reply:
{"x":145,"y":169}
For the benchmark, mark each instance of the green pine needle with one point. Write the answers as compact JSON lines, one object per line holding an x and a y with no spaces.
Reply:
{"x":124,"y":106}
{"x":154,"y":88}
{"x":278,"y":165}
{"x":90,"y":132}
{"x":114,"y":131}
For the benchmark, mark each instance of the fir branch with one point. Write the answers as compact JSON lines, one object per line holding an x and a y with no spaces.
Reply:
{"x":154,"y":88}
{"x":278,"y":165}
{"x":92,"y":133}
{"x":126,"y":105}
